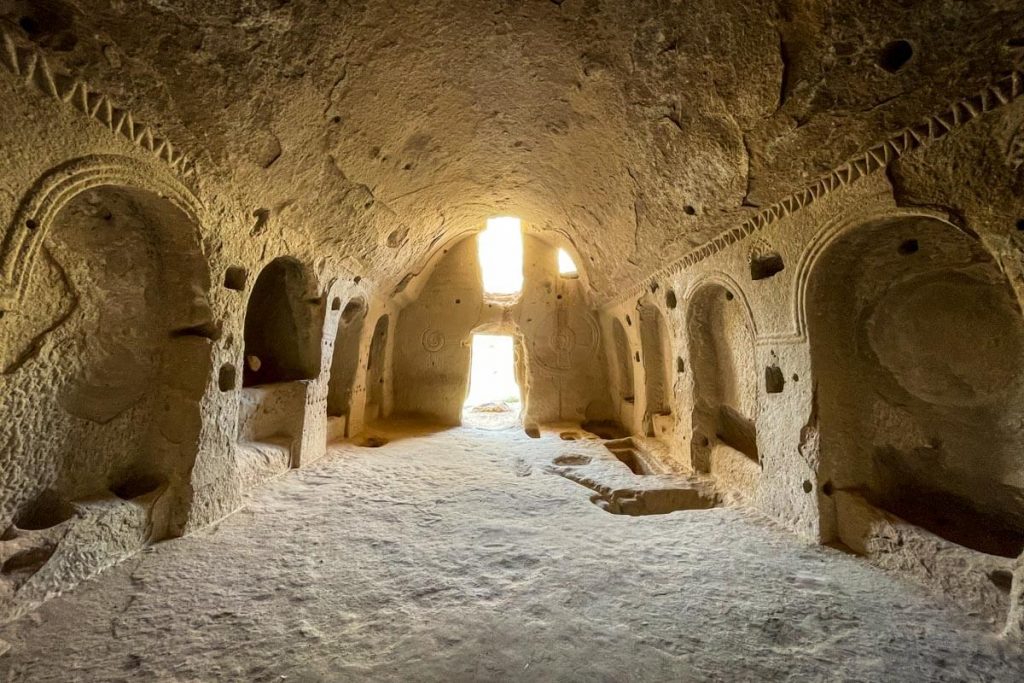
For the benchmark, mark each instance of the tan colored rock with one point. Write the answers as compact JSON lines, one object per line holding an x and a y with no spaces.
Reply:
{"x":233,"y":233}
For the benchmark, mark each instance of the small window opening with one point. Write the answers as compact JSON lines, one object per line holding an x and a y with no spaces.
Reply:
{"x":566,"y":266}
{"x":494,"y":399}
{"x":501,"y":256}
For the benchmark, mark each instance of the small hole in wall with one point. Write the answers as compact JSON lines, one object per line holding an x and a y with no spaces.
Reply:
{"x":206,"y":330}
{"x":636,"y":356}
{"x":895,"y":55}
{"x":31,"y":224}
{"x":689,"y":210}
{"x":908,"y":247}
{"x":796,"y":377}
{"x":559,"y":297}
{"x":29,"y":25}
{"x":336,"y":304}
{"x":134,"y":487}
{"x":1001,"y":579}
{"x":235,"y":277}
{"x":227,"y":378}
{"x":729,"y":296}
{"x":1020,"y":224}
{"x":766,"y":266}
{"x":357,"y":279}
{"x":808,"y":486}
{"x":774,"y":382}
{"x":680,"y":365}
{"x":629,"y":321}
{"x":458,"y":301}
{"x":826,"y":488}
{"x":670,"y":299}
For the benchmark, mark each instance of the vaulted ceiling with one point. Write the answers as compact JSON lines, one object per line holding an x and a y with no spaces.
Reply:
{"x":636,"y":128}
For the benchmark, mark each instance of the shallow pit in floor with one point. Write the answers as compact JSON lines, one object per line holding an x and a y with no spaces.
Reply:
{"x":48,"y":510}
{"x":572,"y":459}
{"x":635,"y":489}
{"x":630,"y":454}
{"x":655,"y":501}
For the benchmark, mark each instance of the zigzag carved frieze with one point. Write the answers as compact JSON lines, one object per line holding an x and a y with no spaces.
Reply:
{"x":33,"y":68}
{"x":995,"y":95}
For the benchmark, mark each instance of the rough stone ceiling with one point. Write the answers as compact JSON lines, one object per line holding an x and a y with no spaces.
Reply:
{"x":638,"y":129}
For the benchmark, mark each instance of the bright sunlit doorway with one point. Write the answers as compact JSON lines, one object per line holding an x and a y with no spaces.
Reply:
{"x":494,"y":400}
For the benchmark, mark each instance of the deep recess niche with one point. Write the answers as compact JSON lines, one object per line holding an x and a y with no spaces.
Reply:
{"x":623,"y":362}
{"x":345,"y":361}
{"x":282,"y":341}
{"x":917,"y":362}
{"x":725,"y":383}
{"x":118,"y":278}
{"x":653,"y":340}
{"x":375,"y":369}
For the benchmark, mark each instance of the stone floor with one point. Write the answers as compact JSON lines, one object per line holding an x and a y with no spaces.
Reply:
{"x":455,"y":556}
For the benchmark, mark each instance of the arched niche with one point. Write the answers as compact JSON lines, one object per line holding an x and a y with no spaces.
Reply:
{"x":916,"y":345}
{"x":376,"y":370}
{"x":655,"y":351}
{"x":282,"y":330}
{"x":345,"y":362}
{"x":624,"y":381}
{"x":37,"y":212}
{"x":725,"y":404}
{"x":110,"y":351}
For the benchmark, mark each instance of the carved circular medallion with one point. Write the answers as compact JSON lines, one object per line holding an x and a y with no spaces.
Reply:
{"x":433,"y":340}
{"x":563,"y":340}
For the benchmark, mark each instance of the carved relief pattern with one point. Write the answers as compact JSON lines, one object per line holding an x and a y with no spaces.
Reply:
{"x":1000,"y":92}
{"x":760,"y":249}
{"x":572,"y":338}
{"x":1015,"y":153}
{"x":33,"y":68}
{"x":433,"y":340}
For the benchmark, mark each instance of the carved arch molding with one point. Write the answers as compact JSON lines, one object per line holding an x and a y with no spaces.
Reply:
{"x":58,"y":186}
